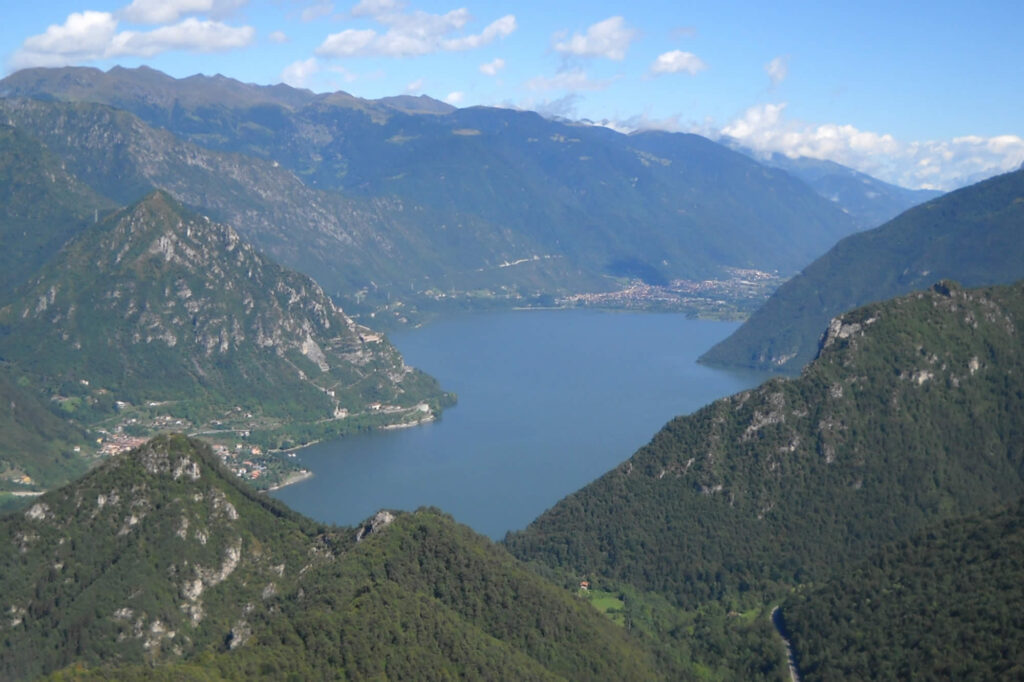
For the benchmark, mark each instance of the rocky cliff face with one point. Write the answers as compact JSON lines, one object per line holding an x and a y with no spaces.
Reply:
{"x":158,"y":303}
{"x":146,"y":559}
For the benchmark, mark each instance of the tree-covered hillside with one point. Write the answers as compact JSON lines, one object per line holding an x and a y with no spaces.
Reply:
{"x":947,"y":603}
{"x":159,"y":317}
{"x":974,"y":235}
{"x":41,"y":207}
{"x":160,"y":557}
{"x":912,"y":413}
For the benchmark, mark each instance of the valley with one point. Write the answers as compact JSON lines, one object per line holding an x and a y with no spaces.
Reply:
{"x":304,"y":385}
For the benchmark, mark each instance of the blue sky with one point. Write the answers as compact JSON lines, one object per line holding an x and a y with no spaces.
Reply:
{"x":920,"y":94}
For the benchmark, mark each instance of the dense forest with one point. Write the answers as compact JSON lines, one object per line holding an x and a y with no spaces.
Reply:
{"x":160,"y":556}
{"x":911,"y":414}
{"x":946,"y":603}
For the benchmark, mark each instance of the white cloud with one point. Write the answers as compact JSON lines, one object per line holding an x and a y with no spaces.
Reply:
{"x":168,"y":11}
{"x":278,"y":37}
{"x":492,"y":68}
{"x":191,"y":35}
{"x":677,"y":61}
{"x":298,"y":74}
{"x":454,"y":98}
{"x":499,"y":28}
{"x":411,"y":34}
{"x":777,"y":69}
{"x":88,"y":36}
{"x":316,"y":11}
{"x":939,"y":164}
{"x":414,"y":87}
{"x":82,"y":36}
{"x":609,"y":38}
{"x":574,"y":80}
{"x":346,"y":43}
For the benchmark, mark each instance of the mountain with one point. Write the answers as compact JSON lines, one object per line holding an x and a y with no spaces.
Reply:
{"x":160,"y":563}
{"x":159,"y":307}
{"x":438,"y":207}
{"x":943,"y":604}
{"x":974,"y":235}
{"x":868,"y":200}
{"x":911,"y":414}
{"x":38,"y":446}
{"x":41,"y":207}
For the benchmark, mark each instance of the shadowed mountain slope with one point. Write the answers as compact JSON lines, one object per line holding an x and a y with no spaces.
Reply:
{"x":974,"y":236}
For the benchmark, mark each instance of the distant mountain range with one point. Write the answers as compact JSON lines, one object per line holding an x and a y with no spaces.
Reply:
{"x":408,"y":199}
{"x":974,"y":235}
{"x":869,"y":201}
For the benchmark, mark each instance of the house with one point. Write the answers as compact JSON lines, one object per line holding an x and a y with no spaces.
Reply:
{"x":584,"y":584}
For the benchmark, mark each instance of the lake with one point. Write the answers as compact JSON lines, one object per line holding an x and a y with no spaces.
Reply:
{"x":548,"y":401}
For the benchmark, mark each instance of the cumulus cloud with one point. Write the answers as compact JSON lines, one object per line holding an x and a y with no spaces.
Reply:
{"x":278,"y":37}
{"x":347,"y":43}
{"x":191,"y":35}
{"x":82,"y":36}
{"x":677,"y":61}
{"x":492,"y":68}
{"x":414,"y":87}
{"x":574,"y":80}
{"x":937,"y":164}
{"x":411,"y":33}
{"x":455,"y":98}
{"x":777,"y":69}
{"x":609,"y":38}
{"x":88,"y":36}
{"x":298,"y":74}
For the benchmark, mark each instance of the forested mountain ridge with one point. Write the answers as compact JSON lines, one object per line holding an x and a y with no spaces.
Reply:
{"x":156,"y":305}
{"x":974,"y":235}
{"x":160,"y":557}
{"x":41,"y":207}
{"x":946,"y":603}
{"x":484,"y":205}
{"x":912,"y":413}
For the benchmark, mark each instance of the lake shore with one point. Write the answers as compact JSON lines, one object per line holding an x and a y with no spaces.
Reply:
{"x":291,"y":479}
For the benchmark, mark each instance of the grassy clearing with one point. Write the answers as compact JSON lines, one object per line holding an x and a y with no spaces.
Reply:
{"x":608,"y":603}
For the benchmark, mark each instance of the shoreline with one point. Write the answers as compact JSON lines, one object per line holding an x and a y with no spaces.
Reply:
{"x":291,"y":479}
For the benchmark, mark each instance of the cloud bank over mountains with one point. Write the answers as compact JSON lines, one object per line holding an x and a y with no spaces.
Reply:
{"x":929,"y":164}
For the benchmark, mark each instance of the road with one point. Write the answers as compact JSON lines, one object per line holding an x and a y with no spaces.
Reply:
{"x":794,"y":674}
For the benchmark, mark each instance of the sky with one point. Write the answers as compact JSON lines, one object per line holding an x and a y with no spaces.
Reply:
{"x":924,"y":95}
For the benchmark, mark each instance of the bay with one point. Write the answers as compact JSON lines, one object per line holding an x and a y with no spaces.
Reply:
{"x":548,"y":401}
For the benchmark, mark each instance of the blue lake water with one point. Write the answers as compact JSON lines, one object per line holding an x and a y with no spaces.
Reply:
{"x":548,"y":401}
